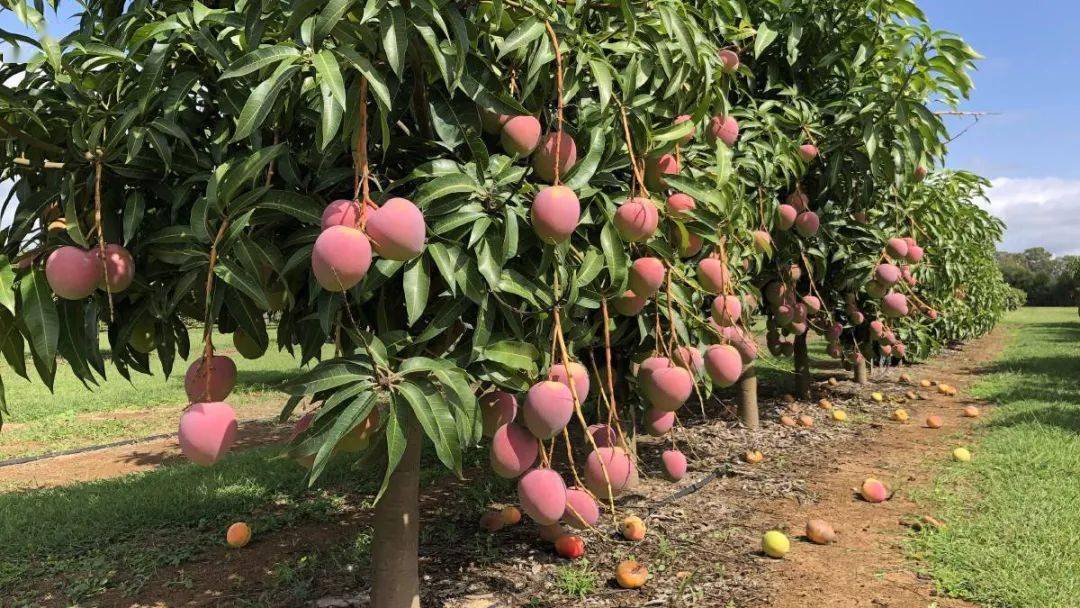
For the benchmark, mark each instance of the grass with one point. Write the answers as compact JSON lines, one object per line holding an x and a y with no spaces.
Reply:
{"x":77,"y":541}
{"x":1012,"y":513}
{"x":73,"y":416}
{"x":89,"y":537}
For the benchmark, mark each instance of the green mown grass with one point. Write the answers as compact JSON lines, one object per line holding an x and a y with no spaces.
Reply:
{"x":67,"y":418}
{"x":74,"y":542}
{"x":1013,"y":514}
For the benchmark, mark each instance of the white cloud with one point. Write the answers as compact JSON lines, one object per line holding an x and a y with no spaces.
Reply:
{"x":1038,"y":212}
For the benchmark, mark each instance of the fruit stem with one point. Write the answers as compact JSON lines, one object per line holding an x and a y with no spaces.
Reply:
{"x":558,"y":99}
{"x":101,"y":235}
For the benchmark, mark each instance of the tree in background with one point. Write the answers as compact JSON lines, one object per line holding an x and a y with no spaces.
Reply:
{"x":1047,"y":280}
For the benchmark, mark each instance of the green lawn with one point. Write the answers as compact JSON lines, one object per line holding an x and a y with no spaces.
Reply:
{"x":73,"y":416}
{"x":1013,"y":514}
{"x":72,"y":543}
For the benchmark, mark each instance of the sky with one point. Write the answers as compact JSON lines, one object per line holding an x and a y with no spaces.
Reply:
{"x":1030,"y":150}
{"x":1028,"y":79}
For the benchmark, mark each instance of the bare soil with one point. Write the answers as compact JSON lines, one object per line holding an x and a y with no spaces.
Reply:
{"x":702,"y":549}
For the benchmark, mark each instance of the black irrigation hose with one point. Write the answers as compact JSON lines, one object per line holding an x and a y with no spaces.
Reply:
{"x":721,"y":471}
{"x":104,"y":446}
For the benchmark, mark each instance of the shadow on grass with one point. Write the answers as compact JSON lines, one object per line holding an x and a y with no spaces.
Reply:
{"x":80,"y":517}
{"x":1066,"y":418}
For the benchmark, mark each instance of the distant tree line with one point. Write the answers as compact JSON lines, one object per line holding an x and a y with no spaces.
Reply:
{"x":1047,"y":280}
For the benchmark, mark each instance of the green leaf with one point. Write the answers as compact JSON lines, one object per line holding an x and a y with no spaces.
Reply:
{"x":326,"y":66}
{"x":765,"y":37}
{"x":261,"y":101}
{"x":133,"y":214}
{"x":395,"y":39}
{"x":259,"y":59}
{"x":527,"y":31}
{"x":446,"y":185}
{"x":7,"y":284}
{"x":513,"y":354}
{"x":40,"y":316}
{"x":395,"y":439}
{"x":434,"y":416}
{"x":325,"y":376}
{"x":347,"y":420}
{"x":240,"y":279}
{"x":302,"y":207}
{"x":328,"y":17}
{"x":376,"y":82}
{"x":416,"y":281}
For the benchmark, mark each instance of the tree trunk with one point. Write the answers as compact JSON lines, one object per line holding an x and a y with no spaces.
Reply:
{"x":861,"y":375}
{"x":396,"y":582}
{"x":802,"y":368}
{"x":748,"y":406}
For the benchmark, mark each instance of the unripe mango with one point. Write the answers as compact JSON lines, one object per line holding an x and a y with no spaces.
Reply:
{"x":556,"y":212}
{"x":341,"y":257}
{"x":211,"y":385}
{"x":678,"y":204}
{"x":513,"y":450}
{"x":629,"y":304}
{"x":620,"y":469}
{"x":724,"y":128}
{"x":542,"y":494}
{"x":520,"y":135}
{"x":247,"y":346}
{"x":729,"y":59}
{"x":577,"y":372}
{"x":548,"y":408}
{"x":785,"y":217}
{"x":72,"y":273}
{"x":807,"y":224}
{"x":543,"y":160}
{"x":207,"y":432}
{"x":397,"y":230}
{"x":646,"y":276}
{"x":724,"y":364}
{"x":674,"y":464}
{"x":118,"y":268}
{"x":636,"y":219}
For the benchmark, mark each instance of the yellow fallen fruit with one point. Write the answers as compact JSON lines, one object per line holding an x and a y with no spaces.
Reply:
{"x":900,"y":415}
{"x":238,"y":535}
{"x":961,"y":455}
{"x":839,"y":416}
{"x":775,"y":544}
{"x":924,"y":383}
{"x":877,"y":397}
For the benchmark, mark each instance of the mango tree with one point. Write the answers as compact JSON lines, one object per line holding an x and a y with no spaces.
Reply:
{"x":533,"y":197}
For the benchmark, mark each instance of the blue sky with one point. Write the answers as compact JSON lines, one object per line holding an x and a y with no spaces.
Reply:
{"x":1028,"y":76}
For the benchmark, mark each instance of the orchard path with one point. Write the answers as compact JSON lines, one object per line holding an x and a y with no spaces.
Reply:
{"x":702,"y":549}
{"x":866,"y":567}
